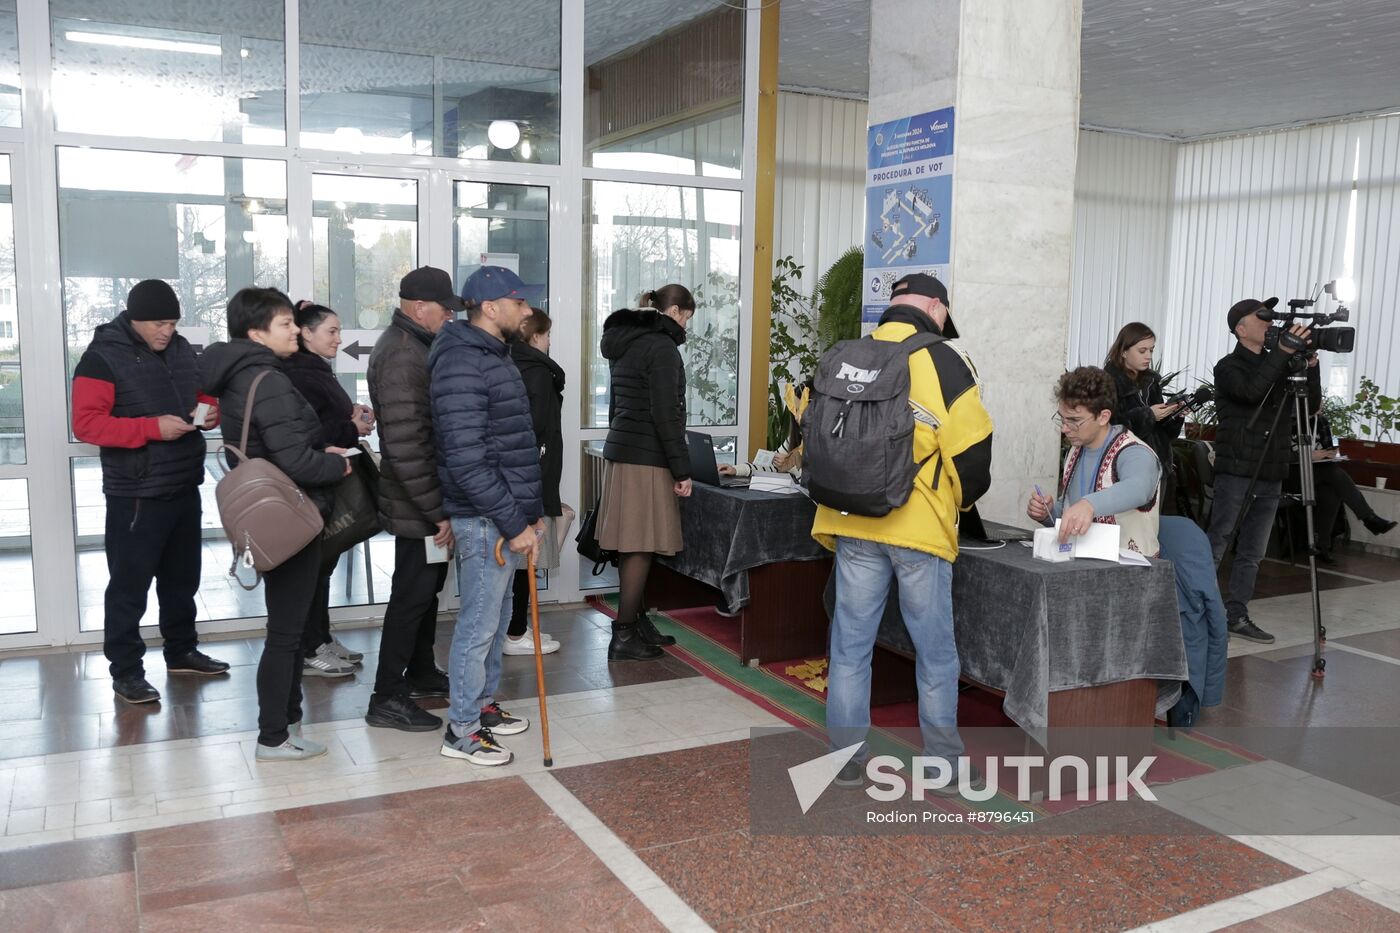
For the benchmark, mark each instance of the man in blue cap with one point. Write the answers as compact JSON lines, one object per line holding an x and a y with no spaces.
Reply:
{"x":489,"y":466}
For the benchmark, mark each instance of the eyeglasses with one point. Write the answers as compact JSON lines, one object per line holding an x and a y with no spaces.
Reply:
{"x":1074,"y":424}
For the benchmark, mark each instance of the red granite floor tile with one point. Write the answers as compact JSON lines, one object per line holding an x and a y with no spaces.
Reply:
{"x":498,"y":863}
{"x":882,"y":908}
{"x":607,"y":907}
{"x":1169,"y":869}
{"x":412,"y":899}
{"x":67,"y":861}
{"x":732,"y":875}
{"x":264,"y":911}
{"x":1040,"y":887}
{"x":1335,"y":910}
{"x":212,"y":860}
{"x":107,"y":904}
{"x":366,"y":850}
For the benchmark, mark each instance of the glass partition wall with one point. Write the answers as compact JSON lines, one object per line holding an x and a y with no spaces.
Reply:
{"x":326,"y":147}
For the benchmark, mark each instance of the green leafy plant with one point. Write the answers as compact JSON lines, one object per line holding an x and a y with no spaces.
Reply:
{"x":1374,"y":415}
{"x":1339,"y":417}
{"x":792,"y":354}
{"x":838,"y":299}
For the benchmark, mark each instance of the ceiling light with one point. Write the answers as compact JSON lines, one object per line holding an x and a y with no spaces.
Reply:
{"x":142,"y":42}
{"x":503,"y":134}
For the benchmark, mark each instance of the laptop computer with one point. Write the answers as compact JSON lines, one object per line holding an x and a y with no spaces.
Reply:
{"x":703,"y":466}
{"x":971,"y":528}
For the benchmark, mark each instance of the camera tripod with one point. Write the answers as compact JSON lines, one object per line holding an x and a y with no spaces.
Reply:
{"x":1295,"y":390}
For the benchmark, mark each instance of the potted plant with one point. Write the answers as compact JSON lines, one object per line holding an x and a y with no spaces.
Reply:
{"x":792,"y":355}
{"x":1375,"y":417}
{"x":838,"y":299}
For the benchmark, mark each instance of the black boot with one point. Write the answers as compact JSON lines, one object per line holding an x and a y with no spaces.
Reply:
{"x":1377,"y":525}
{"x":647,"y":629}
{"x":628,"y":645}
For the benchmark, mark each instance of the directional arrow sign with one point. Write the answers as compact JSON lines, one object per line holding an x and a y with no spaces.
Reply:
{"x":355,"y":347}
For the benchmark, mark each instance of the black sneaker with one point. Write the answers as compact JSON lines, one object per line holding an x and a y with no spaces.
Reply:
{"x":433,"y":685}
{"x":1244,"y":628}
{"x":852,"y":775}
{"x":647,"y":629}
{"x":195,"y":662}
{"x":399,"y":712}
{"x":135,"y":689}
{"x":502,"y":723}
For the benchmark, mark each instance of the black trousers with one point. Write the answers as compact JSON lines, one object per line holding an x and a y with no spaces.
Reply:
{"x":520,"y":608}
{"x":150,"y":539}
{"x":290,"y":590}
{"x":318,"y":623}
{"x":1334,"y":488}
{"x":410,"y":619}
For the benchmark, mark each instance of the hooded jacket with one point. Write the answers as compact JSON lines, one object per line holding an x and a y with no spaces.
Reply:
{"x":488,"y":461}
{"x":410,"y":496}
{"x":544,"y":384}
{"x":285,"y":429}
{"x":646,"y":405}
{"x":1134,"y":411}
{"x":313,"y":377}
{"x":958,"y":452}
{"x":120,"y":389}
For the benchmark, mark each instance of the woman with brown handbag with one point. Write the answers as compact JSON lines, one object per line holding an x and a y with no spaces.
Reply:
{"x":285,"y":431}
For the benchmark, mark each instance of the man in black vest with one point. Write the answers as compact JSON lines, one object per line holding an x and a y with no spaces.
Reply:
{"x":135,"y":395}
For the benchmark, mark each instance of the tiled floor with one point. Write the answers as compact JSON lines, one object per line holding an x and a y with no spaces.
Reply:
{"x":124,"y":819}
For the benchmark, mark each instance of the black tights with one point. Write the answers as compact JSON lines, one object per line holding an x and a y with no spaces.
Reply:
{"x":1336,"y":488}
{"x":632,"y":570}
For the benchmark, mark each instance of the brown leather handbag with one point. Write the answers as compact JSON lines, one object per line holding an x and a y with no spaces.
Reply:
{"x":267,"y":517}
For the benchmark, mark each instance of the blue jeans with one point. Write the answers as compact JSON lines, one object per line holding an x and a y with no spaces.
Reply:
{"x":483,"y":590}
{"x":863,"y":573}
{"x":1253,"y":541}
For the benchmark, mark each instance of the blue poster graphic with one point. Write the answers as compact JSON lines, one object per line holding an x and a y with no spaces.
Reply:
{"x":908,"y":203}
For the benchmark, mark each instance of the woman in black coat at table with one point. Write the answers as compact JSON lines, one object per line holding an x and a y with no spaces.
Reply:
{"x":1141,"y":406}
{"x":343,"y":423}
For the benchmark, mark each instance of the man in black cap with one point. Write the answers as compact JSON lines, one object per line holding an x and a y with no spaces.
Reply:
{"x":1249,"y":389}
{"x":410,"y":501}
{"x":135,"y":395}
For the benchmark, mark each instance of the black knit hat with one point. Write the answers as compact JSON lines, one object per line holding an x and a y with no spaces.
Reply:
{"x":152,"y":300}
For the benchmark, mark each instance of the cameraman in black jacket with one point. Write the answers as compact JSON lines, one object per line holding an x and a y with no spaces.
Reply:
{"x":1247,"y":437}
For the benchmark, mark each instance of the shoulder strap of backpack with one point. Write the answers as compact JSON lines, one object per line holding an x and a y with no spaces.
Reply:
{"x":921,"y":340}
{"x":248,"y":407}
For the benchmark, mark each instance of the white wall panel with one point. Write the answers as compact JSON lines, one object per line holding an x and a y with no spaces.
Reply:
{"x":819,"y":203}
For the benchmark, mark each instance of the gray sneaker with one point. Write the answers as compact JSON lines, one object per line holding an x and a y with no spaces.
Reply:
{"x":325,"y":663}
{"x":480,"y":748}
{"x":291,"y":750}
{"x":342,"y":652}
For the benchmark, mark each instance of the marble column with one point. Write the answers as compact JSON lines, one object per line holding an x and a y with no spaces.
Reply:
{"x":1010,"y":68}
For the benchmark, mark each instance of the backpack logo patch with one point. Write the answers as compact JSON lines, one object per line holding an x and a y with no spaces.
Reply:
{"x":855,"y":374}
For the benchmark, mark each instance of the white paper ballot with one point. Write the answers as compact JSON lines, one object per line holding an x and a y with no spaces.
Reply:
{"x":435,"y":554}
{"x":201,"y":411}
{"x":1100,"y":542}
{"x":351,"y":452}
{"x":763,"y":460}
{"x":1126,"y":556}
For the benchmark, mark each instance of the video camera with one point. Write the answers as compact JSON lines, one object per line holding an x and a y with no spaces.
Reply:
{"x":1322,"y":337}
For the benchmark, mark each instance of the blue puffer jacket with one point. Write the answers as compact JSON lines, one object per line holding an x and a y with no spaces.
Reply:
{"x":487,"y":456}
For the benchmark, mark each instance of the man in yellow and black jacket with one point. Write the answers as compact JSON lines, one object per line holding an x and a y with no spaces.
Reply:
{"x":914,"y":544}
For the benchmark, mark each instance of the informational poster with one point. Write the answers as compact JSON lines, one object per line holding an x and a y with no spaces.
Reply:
{"x":355,"y":346}
{"x":908,"y":204}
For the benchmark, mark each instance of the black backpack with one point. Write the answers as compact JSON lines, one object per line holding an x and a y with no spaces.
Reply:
{"x":858,"y":430}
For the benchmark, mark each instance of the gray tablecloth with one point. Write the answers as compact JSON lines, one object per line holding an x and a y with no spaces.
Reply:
{"x":727,"y":532}
{"x":1029,"y":627}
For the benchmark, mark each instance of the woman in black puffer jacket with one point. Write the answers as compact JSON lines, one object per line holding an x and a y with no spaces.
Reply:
{"x":647,"y":463}
{"x":1141,"y":406}
{"x":286,"y":431}
{"x":343,"y":423}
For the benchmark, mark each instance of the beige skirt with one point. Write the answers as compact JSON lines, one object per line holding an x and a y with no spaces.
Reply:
{"x":639,"y":511}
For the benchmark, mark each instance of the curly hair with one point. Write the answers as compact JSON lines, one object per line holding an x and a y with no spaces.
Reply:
{"x":1089,"y":387}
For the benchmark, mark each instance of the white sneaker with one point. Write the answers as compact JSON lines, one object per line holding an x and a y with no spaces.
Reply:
{"x":344,"y":653}
{"x":526,"y":645}
{"x":326,"y":664}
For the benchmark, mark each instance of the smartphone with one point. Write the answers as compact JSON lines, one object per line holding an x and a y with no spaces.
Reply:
{"x":201,"y":411}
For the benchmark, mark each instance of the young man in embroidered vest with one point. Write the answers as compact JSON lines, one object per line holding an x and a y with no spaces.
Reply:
{"x":135,"y":395}
{"x":1110,"y":476}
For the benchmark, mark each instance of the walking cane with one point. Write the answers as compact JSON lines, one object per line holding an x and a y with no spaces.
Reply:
{"x":539,"y":656}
